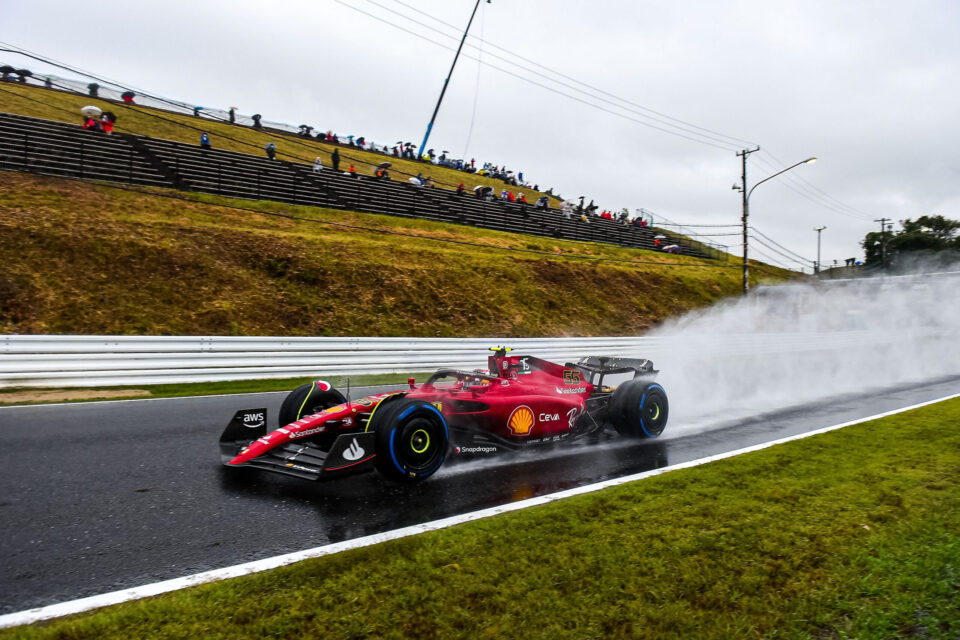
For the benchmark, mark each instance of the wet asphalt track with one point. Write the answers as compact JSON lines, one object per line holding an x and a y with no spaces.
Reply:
{"x":101,"y":496}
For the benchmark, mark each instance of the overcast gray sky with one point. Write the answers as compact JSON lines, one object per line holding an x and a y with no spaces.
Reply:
{"x":870,"y":87}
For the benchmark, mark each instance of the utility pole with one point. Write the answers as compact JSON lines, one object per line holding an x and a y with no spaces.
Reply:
{"x":426,"y":136}
{"x":883,"y":242}
{"x":746,"y":212}
{"x":819,"y":230}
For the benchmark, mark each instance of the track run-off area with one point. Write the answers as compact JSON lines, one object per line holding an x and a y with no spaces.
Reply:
{"x":106,"y":496}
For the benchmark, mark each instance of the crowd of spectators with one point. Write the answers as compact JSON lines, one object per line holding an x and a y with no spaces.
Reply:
{"x":401,"y":149}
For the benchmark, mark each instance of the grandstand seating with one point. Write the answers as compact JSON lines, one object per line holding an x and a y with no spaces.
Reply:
{"x":61,"y":149}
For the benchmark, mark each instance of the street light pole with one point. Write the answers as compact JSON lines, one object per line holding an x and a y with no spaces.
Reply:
{"x":426,"y":136}
{"x":746,"y":205}
{"x":819,"y":230}
{"x":746,"y":212}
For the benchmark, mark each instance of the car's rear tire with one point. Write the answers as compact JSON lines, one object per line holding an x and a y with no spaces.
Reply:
{"x":412,"y":439}
{"x":308,"y":399}
{"x":639,"y":409}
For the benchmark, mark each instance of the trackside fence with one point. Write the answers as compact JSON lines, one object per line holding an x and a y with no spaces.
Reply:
{"x":89,"y":361}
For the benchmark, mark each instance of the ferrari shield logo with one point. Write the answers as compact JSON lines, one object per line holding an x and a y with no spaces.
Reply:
{"x":521,"y":421}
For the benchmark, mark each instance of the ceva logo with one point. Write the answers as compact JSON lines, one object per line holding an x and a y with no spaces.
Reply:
{"x":521,"y":421}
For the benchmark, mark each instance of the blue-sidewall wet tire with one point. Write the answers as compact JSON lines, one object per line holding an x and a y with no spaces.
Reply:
{"x":639,"y":409}
{"x":412,"y":439}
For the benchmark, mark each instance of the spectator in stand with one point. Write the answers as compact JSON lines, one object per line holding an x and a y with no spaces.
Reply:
{"x":317,"y":165}
{"x":352,"y":171}
{"x":205,"y":141}
{"x":544,"y":203}
{"x":503,"y":194}
{"x":196,"y":111}
{"x":656,"y":243}
{"x":271,"y":150}
{"x":48,"y":82}
{"x":256,"y":121}
{"x":232,"y":114}
{"x":520,"y":177}
{"x":522,"y":199}
{"x":420,"y":179}
{"x":511,"y":197}
{"x":471,"y":163}
{"x":93,"y":87}
{"x":460,"y":189}
{"x":106,"y":123}
{"x":536,"y":187}
{"x":128,"y":97}
{"x":91,"y":124}
{"x":335,"y":160}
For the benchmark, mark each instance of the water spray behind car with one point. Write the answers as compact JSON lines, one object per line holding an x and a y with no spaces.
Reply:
{"x":800,"y":344}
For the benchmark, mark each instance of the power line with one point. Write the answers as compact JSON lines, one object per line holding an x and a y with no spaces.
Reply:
{"x":735,"y":140}
{"x":826,"y":195}
{"x":773,"y":260}
{"x":701,"y":140}
{"x":771,"y":240}
{"x":593,"y":95}
{"x":783,"y":255}
{"x":807,"y":193}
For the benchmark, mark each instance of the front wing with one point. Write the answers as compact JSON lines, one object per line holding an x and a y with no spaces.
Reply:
{"x":350,"y":452}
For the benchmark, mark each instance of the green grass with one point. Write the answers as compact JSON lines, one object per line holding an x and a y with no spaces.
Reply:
{"x":90,"y":259}
{"x":9,"y":396}
{"x":850,"y":534}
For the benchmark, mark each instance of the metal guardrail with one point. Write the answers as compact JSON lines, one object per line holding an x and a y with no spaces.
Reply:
{"x":88,"y":361}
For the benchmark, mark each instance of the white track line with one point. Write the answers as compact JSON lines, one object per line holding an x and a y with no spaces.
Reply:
{"x":116,"y":597}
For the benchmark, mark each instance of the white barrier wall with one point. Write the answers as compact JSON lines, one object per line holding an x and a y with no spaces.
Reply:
{"x":86,"y":361}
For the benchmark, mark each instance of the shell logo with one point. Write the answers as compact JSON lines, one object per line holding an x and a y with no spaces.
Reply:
{"x":521,"y":421}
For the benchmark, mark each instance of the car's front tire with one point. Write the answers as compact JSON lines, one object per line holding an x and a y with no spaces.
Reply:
{"x":639,"y":409}
{"x":412,"y":439}
{"x":307,"y":400}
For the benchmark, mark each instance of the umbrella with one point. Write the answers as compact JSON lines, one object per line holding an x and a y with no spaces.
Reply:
{"x":91,"y":111}
{"x":478,"y":187}
{"x":383,"y":165}
{"x":660,"y":236}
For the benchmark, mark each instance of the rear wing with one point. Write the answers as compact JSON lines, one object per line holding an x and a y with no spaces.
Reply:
{"x":596,"y":367}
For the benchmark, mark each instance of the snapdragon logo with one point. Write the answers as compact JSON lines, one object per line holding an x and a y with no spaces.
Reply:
{"x":476,"y":449}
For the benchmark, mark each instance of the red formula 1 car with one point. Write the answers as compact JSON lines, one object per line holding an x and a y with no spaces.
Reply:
{"x":518,"y":402}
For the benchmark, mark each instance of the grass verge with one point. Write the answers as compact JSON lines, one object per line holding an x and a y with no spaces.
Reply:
{"x":853,"y":533}
{"x":23,"y":395}
{"x":89,"y":259}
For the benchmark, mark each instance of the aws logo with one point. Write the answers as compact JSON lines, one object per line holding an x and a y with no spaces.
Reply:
{"x":521,"y":421}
